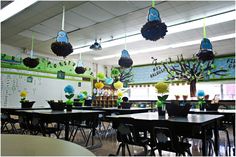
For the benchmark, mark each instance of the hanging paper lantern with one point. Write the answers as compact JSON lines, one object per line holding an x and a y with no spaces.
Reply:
{"x":101,"y":75}
{"x":99,"y":85}
{"x":118,"y":85}
{"x":62,"y":47}
{"x":80,"y":69}
{"x":154,"y":29}
{"x":206,"y":52}
{"x":109,"y":80}
{"x":125,"y":60}
{"x":31,"y":62}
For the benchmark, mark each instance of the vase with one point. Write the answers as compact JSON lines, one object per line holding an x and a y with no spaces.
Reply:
{"x":185,"y":97}
{"x":27,"y":104}
{"x":212,"y":107}
{"x":177,"y":97}
{"x":68,"y":107}
{"x":161,"y":111}
{"x":176,"y":110}
{"x":202,"y":106}
{"x":57,"y":106}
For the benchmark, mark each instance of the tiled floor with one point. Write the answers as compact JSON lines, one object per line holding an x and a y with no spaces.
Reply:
{"x":110,"y":145}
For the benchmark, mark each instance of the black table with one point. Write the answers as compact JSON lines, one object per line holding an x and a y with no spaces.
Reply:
{"x":229,"y":116}
{"x":183,"y":126}
{"x":61,"y":117}
{"x":110,"y":110}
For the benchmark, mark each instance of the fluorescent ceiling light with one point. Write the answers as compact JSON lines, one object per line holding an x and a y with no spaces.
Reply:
{"x":15,"y":7}
{"x":183,"y":44}
{"x":173,"y":29}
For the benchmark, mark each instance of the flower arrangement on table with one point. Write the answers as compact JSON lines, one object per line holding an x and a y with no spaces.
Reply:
{"x":119,"y":100}
{"x":201,"y":99}
{"x":82,"y":96}
{"x":69,"y":90}
{"x":23,"y":96}
{"x":162,"y":88}
{"x":24,"y":102}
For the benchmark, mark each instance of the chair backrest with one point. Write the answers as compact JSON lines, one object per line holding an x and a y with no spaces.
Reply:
{"x":88,"y":103}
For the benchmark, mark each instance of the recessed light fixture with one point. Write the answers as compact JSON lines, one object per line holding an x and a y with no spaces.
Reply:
{"x":183,"y":44}
{"x":221,"y":18}
{"x":15,"y":7}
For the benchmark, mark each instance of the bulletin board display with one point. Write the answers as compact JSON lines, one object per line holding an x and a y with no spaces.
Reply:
{"x":39,"y":89}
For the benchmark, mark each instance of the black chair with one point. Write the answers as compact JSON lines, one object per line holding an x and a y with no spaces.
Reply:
{"x":6,"y":120}
{"x":166,"y":140}
{"x":87,"y":123}
{"x":131,"y":134}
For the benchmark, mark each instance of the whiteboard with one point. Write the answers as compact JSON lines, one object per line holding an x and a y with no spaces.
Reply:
{"x":39,"y":90}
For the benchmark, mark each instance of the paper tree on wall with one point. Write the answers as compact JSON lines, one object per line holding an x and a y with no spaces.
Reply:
{"x":31,"y":62}
{"x":62,"y":47}
{"x":154,"y":29}
{"x":191,"y":71}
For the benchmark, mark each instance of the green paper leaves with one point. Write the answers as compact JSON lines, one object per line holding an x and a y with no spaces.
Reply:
{"x":70,"y":96}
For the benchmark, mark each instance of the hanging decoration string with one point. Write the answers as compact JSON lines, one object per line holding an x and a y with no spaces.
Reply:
{"x":32,"y":45}
{"x":63,"y":18}
{"x":125,"y":39}
{"x":204,"y":28}
{"x":80,"y":56}
{"x":153,"y":3}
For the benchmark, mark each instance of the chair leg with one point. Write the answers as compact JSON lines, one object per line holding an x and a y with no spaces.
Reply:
{"x":228,"y":141}
{"x":128,"y":149}
{"x":159,"y":151}
{"x":90,"y":133}
{"x":118,"y":150}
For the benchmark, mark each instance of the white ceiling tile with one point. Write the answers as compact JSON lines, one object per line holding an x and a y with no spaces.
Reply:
{"x":37,"y":36}
{"x":76,"y":20}
{"x":92,"y":12}
{"x":116,"y":7}
{"x":44,"y":30}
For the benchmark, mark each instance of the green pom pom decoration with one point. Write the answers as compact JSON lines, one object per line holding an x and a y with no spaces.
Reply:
{"x":101,"y":76}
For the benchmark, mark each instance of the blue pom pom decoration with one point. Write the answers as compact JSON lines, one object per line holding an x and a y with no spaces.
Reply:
{"x":200,"y":93}
{"x":109,"y":81}
{"x":69,"y":89}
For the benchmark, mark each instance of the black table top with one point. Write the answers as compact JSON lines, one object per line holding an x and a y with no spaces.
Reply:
{"x":153,"y":116}
{"x":50,"y":112}
{"x":219,"y":111}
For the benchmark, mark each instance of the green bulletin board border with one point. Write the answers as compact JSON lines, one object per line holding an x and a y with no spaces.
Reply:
{"x":34,"y":75}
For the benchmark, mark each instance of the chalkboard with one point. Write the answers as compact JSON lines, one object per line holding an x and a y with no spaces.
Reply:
{"x":39,"y":90}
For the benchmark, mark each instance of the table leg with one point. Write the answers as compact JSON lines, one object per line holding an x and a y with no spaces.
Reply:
{"x":216,"y":134}
{"x":204,"y":142}
{"x":67,"y":130}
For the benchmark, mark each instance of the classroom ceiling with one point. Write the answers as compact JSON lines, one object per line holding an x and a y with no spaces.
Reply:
{"x":85,"y":21}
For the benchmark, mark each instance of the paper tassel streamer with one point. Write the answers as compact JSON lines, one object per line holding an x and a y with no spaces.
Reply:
{"x":118,"y":85}
{"x":154,"y":29}
{"x":80,"y":69}
{"x":109,"y":81}
{"x":99,"y":85}
{"x":125,"y":60}
{"x":31,"y":62}
{"x":62,"y":47}
{"x":206,"y":52}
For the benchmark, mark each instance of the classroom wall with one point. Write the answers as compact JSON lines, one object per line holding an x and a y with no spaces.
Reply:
{"x":44,"y":86}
